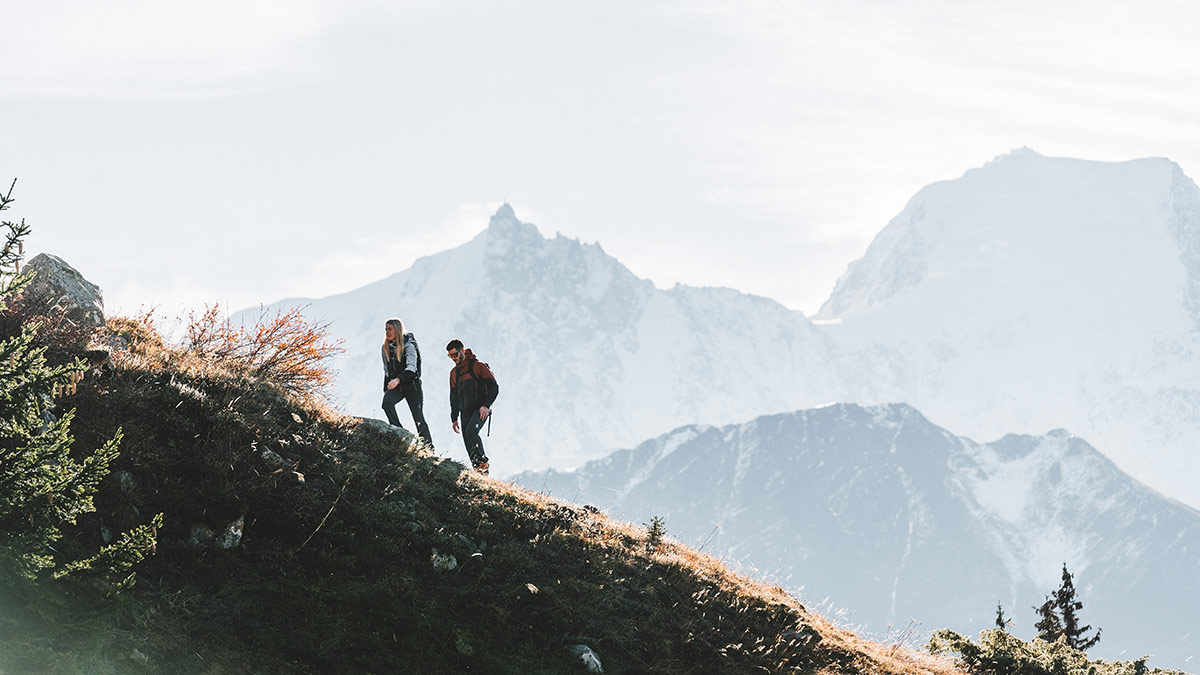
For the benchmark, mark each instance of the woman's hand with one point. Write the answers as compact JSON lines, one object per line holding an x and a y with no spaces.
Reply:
{"x":393,"y":383}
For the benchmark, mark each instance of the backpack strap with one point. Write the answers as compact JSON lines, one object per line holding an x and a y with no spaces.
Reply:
{"x":410,"y":338}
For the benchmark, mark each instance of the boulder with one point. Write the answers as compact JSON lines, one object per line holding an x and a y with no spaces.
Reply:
{"x":587,"y":656}
{"x":57,"y":284}
{"x":381,"y":426}
{"x":273,"y":459}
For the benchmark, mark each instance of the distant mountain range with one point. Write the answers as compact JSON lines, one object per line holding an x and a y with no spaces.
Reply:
{"x":588,"y":356}
{"x":1030,"y":294}
{"x":894,"y":518}
{"x":1036,"y":293}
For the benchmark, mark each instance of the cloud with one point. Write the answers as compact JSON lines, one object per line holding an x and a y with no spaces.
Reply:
{"x":831,"y":115}
{"x":160,"y":49}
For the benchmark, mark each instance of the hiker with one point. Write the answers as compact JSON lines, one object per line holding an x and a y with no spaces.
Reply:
{"x":473,"y":388}
{"x":402,"y":377}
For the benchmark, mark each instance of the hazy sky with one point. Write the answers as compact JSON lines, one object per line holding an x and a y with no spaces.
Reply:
{"x":242,"y":152}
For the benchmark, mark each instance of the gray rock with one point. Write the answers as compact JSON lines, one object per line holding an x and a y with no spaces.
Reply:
{"x":273,"y":459}
{"x":589,"y":658}
{"x":443,"y":561}
{"x":379,"y":425}
{"x":231,"y":536}
{"x":57,"y":284}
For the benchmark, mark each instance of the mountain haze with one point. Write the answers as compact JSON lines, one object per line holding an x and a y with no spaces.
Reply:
{"x":892,"y":517}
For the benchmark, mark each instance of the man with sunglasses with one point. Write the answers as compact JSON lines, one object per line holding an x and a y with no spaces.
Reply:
{"x":473,"y":389}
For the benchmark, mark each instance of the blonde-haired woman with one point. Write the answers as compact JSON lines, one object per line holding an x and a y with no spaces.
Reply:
{"x":402,"y":376}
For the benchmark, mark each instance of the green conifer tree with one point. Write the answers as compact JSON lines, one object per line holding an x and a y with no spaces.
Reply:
{"x":42,"y":487}
{"x":1068,"y":608}
{"x":1001,"y":620}
{"x":1059,"y":617}
{"x":1049,"y":626}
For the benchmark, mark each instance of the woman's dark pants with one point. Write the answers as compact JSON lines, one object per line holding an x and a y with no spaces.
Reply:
{"x":411,"y":392}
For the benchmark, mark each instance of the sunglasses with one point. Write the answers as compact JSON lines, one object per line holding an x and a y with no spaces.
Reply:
{"x":452,"y":354}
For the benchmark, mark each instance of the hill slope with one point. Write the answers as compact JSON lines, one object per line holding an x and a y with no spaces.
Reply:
{"x":299,"y":541}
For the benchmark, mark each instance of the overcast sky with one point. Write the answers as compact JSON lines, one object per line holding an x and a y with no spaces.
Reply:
{"x":245,"y":151}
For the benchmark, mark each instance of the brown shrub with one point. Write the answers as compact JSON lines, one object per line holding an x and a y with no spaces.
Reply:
{"x":285,"y":348}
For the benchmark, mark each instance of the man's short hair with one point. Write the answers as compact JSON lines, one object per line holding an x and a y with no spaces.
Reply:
{"x":454,"y":344}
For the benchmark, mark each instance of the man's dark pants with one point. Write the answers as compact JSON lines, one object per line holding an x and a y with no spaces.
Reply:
{"x":471,"y":438}
{"x":411,"y":392}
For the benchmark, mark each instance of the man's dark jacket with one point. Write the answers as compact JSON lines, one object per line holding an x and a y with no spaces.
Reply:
{"x":472,"y":385}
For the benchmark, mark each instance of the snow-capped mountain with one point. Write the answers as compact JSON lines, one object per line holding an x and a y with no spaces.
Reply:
{"x":588,"y":356}
{"x":892,"y":518}
{"x":1035,"y":293}
{"x":1029,"y":294}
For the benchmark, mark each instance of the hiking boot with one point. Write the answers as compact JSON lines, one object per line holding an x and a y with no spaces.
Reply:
{"x":482,"y":468}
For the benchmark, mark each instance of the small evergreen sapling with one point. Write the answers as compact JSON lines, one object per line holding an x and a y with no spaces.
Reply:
{"x":656,"y":530}
{"x":1002,"y":622}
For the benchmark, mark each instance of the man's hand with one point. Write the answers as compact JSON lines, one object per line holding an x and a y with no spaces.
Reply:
{"x":483,"y":412}
{"x":456,"y":426}
{"x":393,"y":383}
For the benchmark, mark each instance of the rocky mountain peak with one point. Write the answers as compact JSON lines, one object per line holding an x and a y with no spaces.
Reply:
{"x":505,"y":227}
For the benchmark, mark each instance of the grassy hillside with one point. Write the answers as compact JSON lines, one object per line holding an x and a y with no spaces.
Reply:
{"x":342,"y":522}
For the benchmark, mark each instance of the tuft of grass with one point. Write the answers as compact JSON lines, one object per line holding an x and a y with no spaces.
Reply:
{"x":342,"y":521}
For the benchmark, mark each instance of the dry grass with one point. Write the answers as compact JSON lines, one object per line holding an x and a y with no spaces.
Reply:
{"x":600,"y":531}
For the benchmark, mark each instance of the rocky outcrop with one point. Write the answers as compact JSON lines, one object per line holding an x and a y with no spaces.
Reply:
{"x":57,"y":285}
